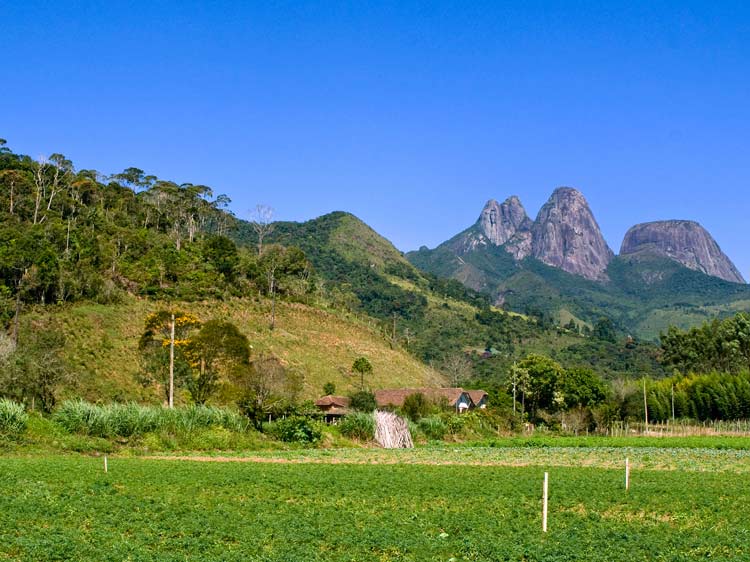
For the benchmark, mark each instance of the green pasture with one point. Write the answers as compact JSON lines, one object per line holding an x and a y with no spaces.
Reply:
{"x":379,"y":505}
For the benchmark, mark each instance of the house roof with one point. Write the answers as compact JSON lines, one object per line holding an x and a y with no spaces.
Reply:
{"x":476,"y":395}
{"x":396,"y":396}
{"x":336,"y":411}
{"x":330,"y":400}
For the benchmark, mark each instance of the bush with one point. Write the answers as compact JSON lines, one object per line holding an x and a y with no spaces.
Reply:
{"x":13,"y":418}
{"x":296,"y":429}
{"x":432,"y":427}
{"x":416,"y":406}
{"x":358,"y":425}
{"x":363,"y":401}
{"x":455,"y":423}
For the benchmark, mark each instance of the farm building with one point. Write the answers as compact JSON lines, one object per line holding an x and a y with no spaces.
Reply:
{"x":479,"y":398}
{"x":456,"y":398}
{"x":334,"y":407}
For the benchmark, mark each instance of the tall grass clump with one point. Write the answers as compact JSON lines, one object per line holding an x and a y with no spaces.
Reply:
{"x":13,"y":418}
{"x":133,"y":420}
{"x":358,"y":425}
{"x":432,"y":427}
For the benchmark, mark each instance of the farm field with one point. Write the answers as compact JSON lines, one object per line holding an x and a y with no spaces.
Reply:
{"x":366,"y":504}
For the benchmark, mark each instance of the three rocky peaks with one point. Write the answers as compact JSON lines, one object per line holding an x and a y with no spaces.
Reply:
{"x":566,"y":235}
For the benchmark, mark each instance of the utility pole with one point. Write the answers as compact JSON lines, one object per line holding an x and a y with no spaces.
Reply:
{"x":645,"y":403}
{"x":171,"y":363}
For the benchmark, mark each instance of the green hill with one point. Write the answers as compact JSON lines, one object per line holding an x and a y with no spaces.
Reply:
{"x":319,"y":346}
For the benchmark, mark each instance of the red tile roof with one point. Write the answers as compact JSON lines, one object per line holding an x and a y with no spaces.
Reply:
{"x":396,"y":397}
{"x":476,"y":395}
{"x":330,"y":400}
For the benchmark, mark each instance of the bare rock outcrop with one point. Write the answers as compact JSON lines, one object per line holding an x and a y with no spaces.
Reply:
{"x":566,"y":235}
{"x":499,"y":222}
{"x":686,"y":242}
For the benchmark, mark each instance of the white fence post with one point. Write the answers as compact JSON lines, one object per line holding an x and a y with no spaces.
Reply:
{"x":545,"y":501}
{"x":627,"y":474}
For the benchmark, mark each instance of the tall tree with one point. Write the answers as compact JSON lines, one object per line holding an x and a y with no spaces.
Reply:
{"x":218,"y":346}
{"x":362,"y":367}
{"x":165,"y":336}
{"x":262,"y":223}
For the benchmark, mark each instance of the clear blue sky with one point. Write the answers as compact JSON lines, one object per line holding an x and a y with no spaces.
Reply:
{"x":410,"y":115}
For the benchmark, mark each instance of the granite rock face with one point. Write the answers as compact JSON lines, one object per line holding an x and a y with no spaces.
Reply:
{"x":499,"y":222}
{"x":686,"y":242}
{"x":566,"y":235}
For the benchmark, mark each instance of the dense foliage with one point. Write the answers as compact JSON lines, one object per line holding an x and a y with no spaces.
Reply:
{"x":719,"y":345}
{"x":70,"y":234}
{"x":700,"y":397}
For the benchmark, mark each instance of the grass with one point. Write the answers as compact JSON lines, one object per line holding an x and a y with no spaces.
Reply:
{"x":321,"y":345}
{"x":55,"y":508}
{"x":13,"y":418}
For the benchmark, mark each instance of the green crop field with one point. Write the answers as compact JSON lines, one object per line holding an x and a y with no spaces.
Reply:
{"x":427,"y":504}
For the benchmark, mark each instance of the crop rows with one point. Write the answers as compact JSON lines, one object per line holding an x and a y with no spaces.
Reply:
{"x":67,"y":508}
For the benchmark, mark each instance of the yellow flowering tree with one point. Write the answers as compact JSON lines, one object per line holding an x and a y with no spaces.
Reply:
{"x":155,"y":344}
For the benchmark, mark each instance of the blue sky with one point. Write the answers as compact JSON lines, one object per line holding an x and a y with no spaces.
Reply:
{"x":410,"y":115}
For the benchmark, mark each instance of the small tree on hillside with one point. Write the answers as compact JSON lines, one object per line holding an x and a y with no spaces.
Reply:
{"x":218,"y":346}
{"x":262,"y":384}
{"x":362,"y":367}
{"x":262,"y":223}
{"x":416,"y":406}
{"x":34,"y":371}
{"x":544,"y":377}
{"x":329,"y":388}
{"x":457,"y":367}
{"x":161,"y":354}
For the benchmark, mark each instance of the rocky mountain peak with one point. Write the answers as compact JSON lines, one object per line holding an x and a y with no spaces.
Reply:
{"x":566,"y":235}
{"x":686,"y":242}
{"x":499,"y":222}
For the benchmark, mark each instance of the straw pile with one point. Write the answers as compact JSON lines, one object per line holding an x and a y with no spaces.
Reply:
{"x":392,"y":431}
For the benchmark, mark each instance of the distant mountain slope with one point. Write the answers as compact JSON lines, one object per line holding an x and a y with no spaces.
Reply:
{"x":434,"y":316}
{"x":561,"y":266}
{"x":685,"y":242}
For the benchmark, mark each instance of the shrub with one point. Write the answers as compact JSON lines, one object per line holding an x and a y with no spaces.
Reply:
{"x":13,"y":418}
{"x":358,"y":425}
{"x":363,"y":401}
{"x":432,"y":427}
{"x":416,"y":406}
{"x":455,"y":423}
{"x":296,"y":429}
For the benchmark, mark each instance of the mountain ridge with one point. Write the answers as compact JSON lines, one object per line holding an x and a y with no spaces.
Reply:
{"x":562,"y":266}
{"x":565,"y":234}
